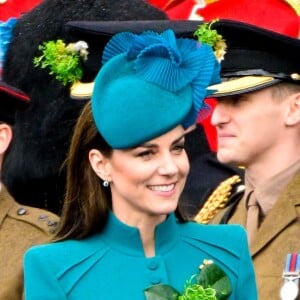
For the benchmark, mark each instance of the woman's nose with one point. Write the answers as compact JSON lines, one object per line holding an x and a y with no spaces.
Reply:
{"x":168,"y":166}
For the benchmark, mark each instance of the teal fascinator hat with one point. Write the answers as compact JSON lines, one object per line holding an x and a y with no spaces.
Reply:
{"x":149,"y":84}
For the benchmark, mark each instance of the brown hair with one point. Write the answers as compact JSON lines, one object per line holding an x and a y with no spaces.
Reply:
{"x":86,"y":202}
{"x":282,"y":90}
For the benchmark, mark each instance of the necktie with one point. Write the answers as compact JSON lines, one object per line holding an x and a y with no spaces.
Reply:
{"x":252,"y":216}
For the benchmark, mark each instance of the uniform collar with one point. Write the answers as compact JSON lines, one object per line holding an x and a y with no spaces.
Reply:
{"x":268,"y":192}
{"x":6,"y":202}
{"x":127,"y":239}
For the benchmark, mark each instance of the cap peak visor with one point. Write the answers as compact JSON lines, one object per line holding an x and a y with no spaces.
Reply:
{"x":241,"y":85}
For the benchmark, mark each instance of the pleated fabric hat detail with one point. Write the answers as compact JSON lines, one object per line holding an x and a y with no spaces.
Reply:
{"x":149,"y":84}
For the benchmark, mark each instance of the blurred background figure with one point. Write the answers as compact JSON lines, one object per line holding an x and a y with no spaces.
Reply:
{"x":20,"y":226}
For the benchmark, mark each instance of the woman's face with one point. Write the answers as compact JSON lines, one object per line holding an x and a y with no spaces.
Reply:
{"x":148,"y":180}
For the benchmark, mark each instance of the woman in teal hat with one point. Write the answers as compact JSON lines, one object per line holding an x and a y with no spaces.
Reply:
{"x":121,"y":235}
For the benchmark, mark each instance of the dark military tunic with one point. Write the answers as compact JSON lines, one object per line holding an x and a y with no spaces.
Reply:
{"x":20,"y":227}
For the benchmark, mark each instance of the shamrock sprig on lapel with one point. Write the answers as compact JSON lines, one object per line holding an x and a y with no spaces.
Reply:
{"x":211,"y":283}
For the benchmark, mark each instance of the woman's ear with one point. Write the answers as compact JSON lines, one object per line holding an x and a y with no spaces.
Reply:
{"x":293,"y":115}
{"x":100,"y":164}
{"x":5,"y":137}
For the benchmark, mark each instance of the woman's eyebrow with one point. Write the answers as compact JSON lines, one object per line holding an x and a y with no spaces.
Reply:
{"x":152,"y":145}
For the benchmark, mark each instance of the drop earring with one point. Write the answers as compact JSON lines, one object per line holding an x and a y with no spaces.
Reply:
{"x":105,"y":183}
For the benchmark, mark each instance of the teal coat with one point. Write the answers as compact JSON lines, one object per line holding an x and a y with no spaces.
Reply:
{"x":112,"y":265}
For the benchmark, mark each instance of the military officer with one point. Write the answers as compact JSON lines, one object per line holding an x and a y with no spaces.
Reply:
{"x":258,"y":124}
{"x":20,"y":226}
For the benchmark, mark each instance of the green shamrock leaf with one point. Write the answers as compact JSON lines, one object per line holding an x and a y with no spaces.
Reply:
{"x":161,"y":292}
{"x":210,"y":284}
{"x":213,"y":276}
{"x":63,"y":61}
{"x":205,"y":34}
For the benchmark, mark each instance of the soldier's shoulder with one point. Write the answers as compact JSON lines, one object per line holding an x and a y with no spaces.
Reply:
{"x":36,"y":217}
{"x":226,"y":193}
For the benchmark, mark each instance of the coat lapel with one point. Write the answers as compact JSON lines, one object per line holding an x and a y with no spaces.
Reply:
{"x":240,"y":214}
{"x":6,"y":202}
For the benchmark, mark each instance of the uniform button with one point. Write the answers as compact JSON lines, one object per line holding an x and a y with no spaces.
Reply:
{"x":52,"y":230}
{"x":52,"y":223}
{"x":21,"y":211}
{"x":43,"y":217}
{"x":155,"y":279}
{"x":153,"y":264}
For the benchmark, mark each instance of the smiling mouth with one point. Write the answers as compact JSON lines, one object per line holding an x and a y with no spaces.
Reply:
{"x":162,"y":188}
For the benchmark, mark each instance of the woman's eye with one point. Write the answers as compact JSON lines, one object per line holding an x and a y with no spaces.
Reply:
{"x":179,"y":148}
{"x":145,"y":154}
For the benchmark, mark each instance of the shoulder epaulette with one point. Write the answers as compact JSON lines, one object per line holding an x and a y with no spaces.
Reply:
{"x":218,"y":199}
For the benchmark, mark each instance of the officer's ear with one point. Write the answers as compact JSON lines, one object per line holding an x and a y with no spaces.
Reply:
{"x":5,"y":137}
{"x":293,"y":114}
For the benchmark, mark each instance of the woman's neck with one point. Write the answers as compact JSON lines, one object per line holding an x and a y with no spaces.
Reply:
{"x":146,"y":225}
{"x":148,"y":240}
{"x":146,"y":228}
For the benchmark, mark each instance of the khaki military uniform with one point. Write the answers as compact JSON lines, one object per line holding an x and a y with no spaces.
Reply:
{"x":278,"y":235}
{"x":20,"y":228}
